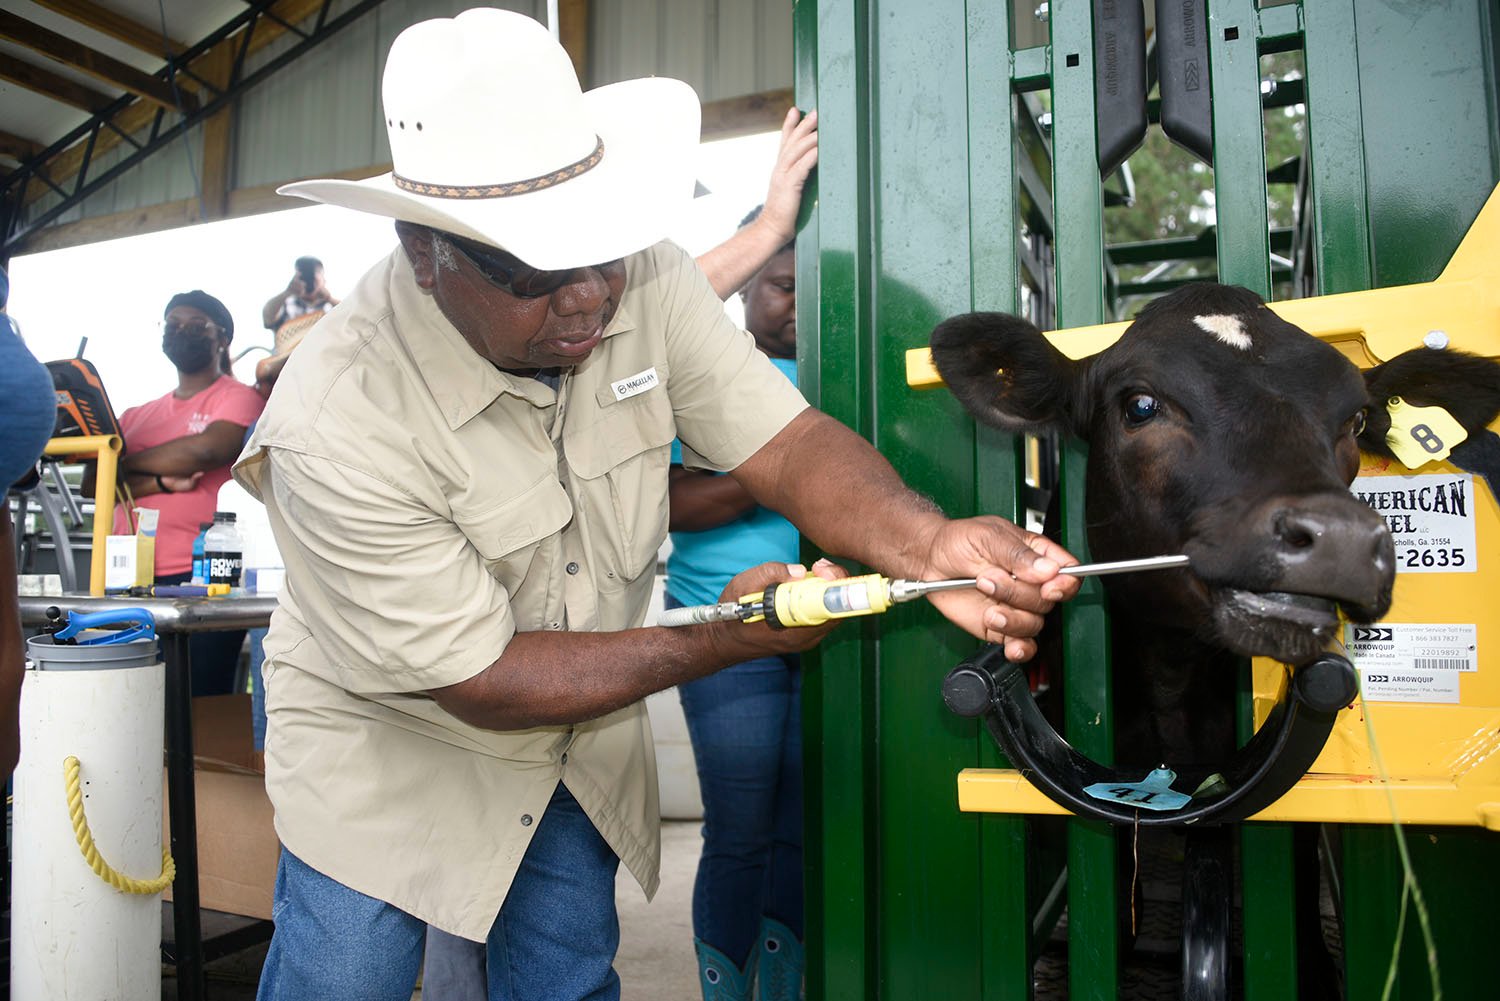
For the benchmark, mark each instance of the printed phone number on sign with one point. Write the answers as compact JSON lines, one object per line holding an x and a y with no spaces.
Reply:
{"x":1430,"y":516}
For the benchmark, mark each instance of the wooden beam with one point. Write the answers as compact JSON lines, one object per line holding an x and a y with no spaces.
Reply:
{"x":139,"y":115}
{"x":745,"y":116}
{"x":53,"y":85}
{"x":573,"y":33}
{"x":17,"y":148}
{"x":117,"y":26}
{"x":172,"y":215}
{"x":218,"y":139}
{"x":96,"y":64}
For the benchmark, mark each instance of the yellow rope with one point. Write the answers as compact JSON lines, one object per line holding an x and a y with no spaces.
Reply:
{"x":103,"y":869}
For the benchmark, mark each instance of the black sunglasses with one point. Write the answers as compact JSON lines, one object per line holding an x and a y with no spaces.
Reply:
{"x":192,"y":326}
{"x":512,"y":275}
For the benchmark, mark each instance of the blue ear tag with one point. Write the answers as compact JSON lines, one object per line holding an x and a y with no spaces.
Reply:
{"x":1154,"y":792}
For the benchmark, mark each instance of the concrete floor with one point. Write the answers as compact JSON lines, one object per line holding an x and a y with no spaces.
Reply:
{"x":655,"y":960}
{"x":656,"y":939}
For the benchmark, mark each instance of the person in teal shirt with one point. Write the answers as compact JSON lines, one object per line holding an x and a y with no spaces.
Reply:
{"x":745,"y":722}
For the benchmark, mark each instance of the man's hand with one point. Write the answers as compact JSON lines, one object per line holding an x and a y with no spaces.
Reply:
{"x":544,"y":678}
{"x":1018,"y":580}
{"x":845,"y":497}
{"x":753,"y":640}
{"x":795,"y":159}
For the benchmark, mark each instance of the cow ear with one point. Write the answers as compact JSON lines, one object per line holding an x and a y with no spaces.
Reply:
{"x":1465,"y":385}
{"x":1004,"y":372}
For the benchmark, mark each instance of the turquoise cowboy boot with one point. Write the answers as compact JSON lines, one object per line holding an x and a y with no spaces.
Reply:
{"x":780,"y":963}
{"x":720,"y":979}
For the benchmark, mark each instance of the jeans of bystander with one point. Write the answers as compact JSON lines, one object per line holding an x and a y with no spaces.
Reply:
{"x":745,"y":724}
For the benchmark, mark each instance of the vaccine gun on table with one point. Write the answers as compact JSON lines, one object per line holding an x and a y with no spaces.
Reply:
{"x":813,"y":601}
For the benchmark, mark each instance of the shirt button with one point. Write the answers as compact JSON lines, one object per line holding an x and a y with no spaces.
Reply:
{"x":556,"y":625}
{"x":565,"y":757}
{"x":610,"y":575}
{"x":572,"y":568}
{"x":525,"y":820}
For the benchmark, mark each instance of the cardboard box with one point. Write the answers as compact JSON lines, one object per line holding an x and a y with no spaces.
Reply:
{"x":237,"y":846}
{"x":129,"y":561}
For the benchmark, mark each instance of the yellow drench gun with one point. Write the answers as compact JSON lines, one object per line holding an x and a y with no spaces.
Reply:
{"x":813,"y":601}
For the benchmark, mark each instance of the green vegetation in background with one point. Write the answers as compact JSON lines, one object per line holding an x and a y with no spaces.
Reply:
{"x":1174,"y":190}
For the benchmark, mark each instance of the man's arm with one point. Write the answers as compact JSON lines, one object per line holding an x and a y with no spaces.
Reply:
{"x":732,"y":263}
{"x":405,"y":603}
{"x":845,"y":497}
{"x":546,"y":678}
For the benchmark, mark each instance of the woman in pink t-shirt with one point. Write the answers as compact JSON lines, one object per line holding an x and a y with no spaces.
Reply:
{"x":180,"y":446}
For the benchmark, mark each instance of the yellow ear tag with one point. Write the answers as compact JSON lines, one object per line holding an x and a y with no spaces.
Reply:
{"x":1420,"y":435}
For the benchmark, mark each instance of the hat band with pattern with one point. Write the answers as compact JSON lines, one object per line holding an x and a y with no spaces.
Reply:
{"x":567,"y":173}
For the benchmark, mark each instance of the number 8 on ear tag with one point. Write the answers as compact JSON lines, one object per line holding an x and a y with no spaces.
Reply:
{"x":1420,"y":435}
{"x":1154,"y":792}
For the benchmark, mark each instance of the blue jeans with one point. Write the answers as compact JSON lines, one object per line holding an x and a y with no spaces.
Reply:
{"x":258,"y":687}
{"x":745,"y":723}
{"x":554,"y":938}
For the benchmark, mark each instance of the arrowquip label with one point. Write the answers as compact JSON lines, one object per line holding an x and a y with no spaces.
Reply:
{"x":1412,"y":661}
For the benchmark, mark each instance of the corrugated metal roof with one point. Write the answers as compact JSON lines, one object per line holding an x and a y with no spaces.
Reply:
{"x":320,"y":114}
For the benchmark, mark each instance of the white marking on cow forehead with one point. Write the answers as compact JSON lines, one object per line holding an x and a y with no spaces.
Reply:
{"x":1228,"y":329}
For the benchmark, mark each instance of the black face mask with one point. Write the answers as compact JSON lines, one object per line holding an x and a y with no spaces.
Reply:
{"x":190,"y":352}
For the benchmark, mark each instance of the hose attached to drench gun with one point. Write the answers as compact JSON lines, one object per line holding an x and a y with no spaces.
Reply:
{"x":812,"y":601}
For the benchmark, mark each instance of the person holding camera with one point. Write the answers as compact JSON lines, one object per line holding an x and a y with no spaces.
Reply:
{"x":290,"y":313}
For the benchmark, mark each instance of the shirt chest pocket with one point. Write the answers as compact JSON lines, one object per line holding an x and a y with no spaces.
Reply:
{"x":620,"y":467}
{"x":508,"y":535}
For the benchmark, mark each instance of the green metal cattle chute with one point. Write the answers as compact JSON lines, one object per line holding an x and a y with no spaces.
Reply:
{"x":940,"y":190}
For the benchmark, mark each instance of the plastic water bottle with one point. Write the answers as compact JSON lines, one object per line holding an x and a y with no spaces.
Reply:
{"x":263,"y":566}
{"x":199,"y":577}
{"x":223,"y":551}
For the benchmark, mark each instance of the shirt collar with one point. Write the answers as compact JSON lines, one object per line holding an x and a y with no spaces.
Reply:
{"x":461,"y":383}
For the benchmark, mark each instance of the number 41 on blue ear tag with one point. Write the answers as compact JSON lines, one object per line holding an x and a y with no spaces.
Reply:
{"x":1154,"y":792}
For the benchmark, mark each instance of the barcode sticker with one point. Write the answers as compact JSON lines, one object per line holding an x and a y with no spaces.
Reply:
{"x":1441,"y":664}
{"x":1413,"y":661}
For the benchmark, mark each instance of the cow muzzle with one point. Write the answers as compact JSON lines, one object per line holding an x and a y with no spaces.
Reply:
{"x":1279,"y":576}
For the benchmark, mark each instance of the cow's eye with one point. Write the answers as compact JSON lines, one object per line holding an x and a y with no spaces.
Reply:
{"x":1140,"y":408}
{"x":1357,"y":424}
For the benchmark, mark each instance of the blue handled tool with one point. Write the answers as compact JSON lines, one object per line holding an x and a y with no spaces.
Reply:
{"x":141,"y":624}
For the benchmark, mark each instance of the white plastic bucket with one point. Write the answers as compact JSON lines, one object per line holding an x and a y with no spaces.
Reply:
{"x":73,"y":936}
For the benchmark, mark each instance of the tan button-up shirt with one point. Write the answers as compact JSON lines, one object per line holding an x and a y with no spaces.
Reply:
{"x":429,"y":506}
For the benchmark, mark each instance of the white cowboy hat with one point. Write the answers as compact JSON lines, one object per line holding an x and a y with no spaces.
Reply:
{"x":492,"y":139}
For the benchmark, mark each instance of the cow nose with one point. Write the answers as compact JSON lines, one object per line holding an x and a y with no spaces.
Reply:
{"x":1333,"y":546}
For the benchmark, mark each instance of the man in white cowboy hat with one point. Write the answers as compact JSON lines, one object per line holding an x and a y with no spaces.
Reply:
{"x":466,"y":474}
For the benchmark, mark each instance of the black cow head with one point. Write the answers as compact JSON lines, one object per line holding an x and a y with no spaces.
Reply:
{"x":1217,"y":429}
